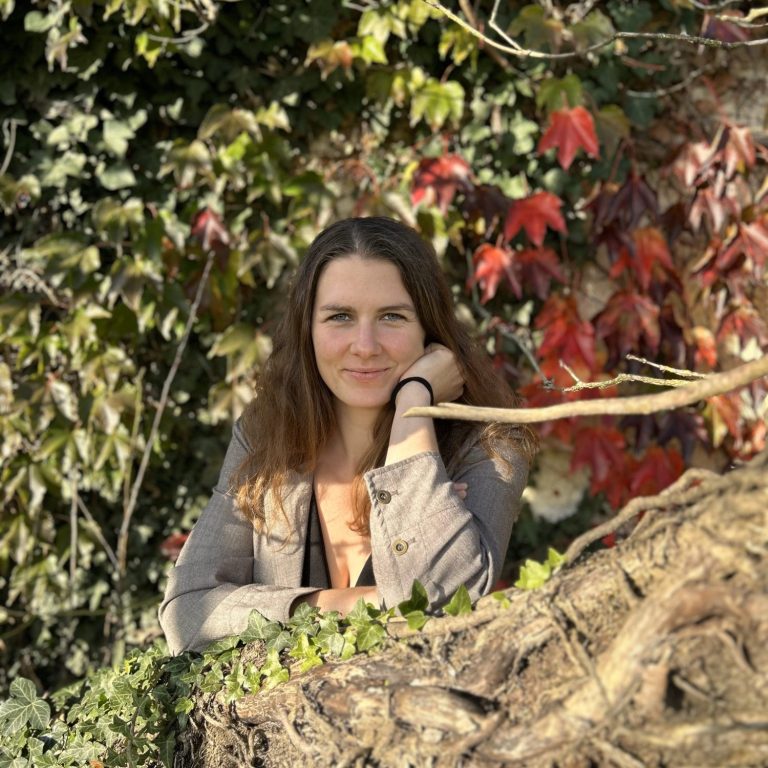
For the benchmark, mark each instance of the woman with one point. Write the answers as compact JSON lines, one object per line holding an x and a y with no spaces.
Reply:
{"x":328,"y":493}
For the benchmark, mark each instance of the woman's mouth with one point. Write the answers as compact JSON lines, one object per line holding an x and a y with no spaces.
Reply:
{"x":365,"y":374}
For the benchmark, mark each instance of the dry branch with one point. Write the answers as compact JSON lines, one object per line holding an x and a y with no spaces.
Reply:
{"x":716,"y":384}
{"x":515,"y":49}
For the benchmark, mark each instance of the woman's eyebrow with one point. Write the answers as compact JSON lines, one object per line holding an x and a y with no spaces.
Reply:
{"x":388,"y":308}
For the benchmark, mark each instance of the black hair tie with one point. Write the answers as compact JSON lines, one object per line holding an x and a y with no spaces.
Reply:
{"x":402,"y":383}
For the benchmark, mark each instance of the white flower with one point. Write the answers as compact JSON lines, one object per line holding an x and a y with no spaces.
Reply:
{"x":557,"y":490}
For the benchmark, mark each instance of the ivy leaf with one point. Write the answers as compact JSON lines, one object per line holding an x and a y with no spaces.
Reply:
{"x":533,"y":575}
{"x":260,"y":628}
{"x":569,"y":130}
{"x":370,"y":636}
{"x":416,"y":619}
{"x":534,"y":214}
{"x":304,"y":620}
{"x":418,"y":600}
{"x":460,"y":603}
{"x":501,"y":598}
{"x":554,"y":558}
{"x":24,"y":707}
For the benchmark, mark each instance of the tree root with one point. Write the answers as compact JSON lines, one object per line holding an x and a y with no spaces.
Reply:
{"x":652,"y":653}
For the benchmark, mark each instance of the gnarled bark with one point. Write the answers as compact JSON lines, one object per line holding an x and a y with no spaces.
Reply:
{"x":652,"y":653}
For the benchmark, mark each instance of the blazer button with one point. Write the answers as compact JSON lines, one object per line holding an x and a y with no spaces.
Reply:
{"x":399,"y":547}
{"x":384,"y":496}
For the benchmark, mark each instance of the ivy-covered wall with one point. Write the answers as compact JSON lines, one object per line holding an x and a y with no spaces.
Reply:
{"x":584,"y":208}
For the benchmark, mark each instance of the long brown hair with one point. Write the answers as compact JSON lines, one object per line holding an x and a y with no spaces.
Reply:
{"x":292,"y":417}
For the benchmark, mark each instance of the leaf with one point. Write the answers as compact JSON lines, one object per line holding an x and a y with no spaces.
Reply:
{"x":370,"y":636}
{"x":438,"y":102}
{"x":534,"y":214}
{"x":437,"y":179}
{"x":569,"y":130}
{"x":594,"y":28}
{"x":554,"y":558}
{"x":118,"y":176}
{"x":207,"y":227}
{"x":629,"y":323}
{"x":537,"y":267}
{"x":24,"y":707}
{"x":460,"y":603}
{"x":502,"y":599}
{"x":416,"y":619}
{"x":656,"y":470}
{"x":555,"y":93}
{"x":540,"y":32}
{"x":418,"y":600}
{"x":647,"y":256}
{"x":566,"y":337}
{"x":533,"y":575}
{"x":602,"y":450}
{"x":490,"y":264}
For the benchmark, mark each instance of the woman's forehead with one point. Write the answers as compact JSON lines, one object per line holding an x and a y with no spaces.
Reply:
{"x":353,"y":277}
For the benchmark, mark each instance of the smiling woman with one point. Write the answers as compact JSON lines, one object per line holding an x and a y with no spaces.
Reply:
{"x":328,"y":492}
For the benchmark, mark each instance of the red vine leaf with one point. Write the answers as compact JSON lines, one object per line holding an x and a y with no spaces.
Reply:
{"x":602,"y":451}
{"x":538,"y":267}
{"x":437,"y":179}
{"x":569,"y":130}
{"x":647,"y":257}
{"x":209,"y":230}
{"x":534,"y":214}
{"x":628,"y":318}
{"x":491,"y":264}
{"x":566,"y":337}
{"x":657,"y":470}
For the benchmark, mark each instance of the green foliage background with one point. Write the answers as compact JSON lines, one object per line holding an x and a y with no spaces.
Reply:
{"x":123,"y":120}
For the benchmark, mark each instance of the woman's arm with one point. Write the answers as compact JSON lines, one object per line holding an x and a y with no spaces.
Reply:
{"x":211,"y":591}
{"x":422,"y":526}
{"x":422,"y":529}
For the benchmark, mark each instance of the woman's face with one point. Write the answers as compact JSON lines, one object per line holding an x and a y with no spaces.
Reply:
{"x":365,"y":331}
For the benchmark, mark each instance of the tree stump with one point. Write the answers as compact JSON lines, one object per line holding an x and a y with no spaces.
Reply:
{"x":653,"y":653}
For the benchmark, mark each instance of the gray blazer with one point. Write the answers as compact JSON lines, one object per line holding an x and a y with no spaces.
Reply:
{"x":420,"y":529}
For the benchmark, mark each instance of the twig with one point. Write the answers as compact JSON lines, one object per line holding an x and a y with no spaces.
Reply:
{"x":97,"y":532}
{"x":620,"y":379}
{"x":714,"y":384}
{"x":668,"y":369}
{"x":122,"y":540}
{"x":514,"y":48}
{"x":666,"y":91}
{"x":11,"y":145}
{"x":73,"y":537}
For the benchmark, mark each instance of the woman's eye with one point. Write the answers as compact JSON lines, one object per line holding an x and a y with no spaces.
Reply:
{"x":339,"y":317}
{"x":393,"y":316}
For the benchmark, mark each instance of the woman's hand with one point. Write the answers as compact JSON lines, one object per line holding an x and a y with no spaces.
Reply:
{"x":439,"y":367}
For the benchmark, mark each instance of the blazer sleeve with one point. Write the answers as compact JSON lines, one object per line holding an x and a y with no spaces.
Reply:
{"x":211,"y":590}
{"x":421,"y":528}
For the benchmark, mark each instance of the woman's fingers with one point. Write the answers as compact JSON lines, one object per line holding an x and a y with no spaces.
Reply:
{"x":461,"y":489}
{"x":438,"y":365}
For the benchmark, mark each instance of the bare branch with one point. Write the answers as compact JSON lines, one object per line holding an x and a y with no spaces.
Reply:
{"x":513,"y":48}
{"x":122,"y":540}
{"x":715,"y":384}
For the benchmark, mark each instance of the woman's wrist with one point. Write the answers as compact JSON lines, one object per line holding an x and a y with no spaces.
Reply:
{"x":410,"y":385}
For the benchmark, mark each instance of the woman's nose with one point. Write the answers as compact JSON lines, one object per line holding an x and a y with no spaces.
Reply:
{"x":365,"y":341}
